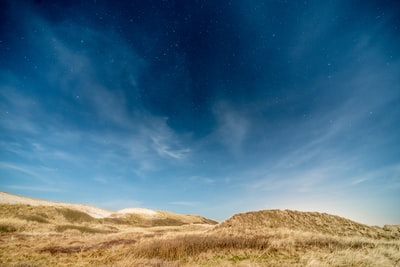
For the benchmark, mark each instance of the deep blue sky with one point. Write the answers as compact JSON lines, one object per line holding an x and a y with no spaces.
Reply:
{"x":207,"y":107}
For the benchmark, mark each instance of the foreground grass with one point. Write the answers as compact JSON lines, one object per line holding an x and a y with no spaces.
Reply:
{"x":286,"y":248}
{"x":173,"y":246}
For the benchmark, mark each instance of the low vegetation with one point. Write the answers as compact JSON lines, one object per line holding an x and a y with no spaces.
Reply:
{"x":296,"y":249}
{"x":34,"y":217}
{"x":75,"y":216}
{"x":314,"y":222}
{"x":193,"y":245}
{"x":7,"y":228}
{"x":51,"y":236}
{"x":82,"y":229}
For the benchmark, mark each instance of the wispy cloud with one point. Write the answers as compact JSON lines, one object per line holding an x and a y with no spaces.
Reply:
{"x":165,"y":141}
{"x":232,"y":127}
{"x":19,"y":111}
{"x":313,"y":122}
{"x":133,"y":139}
{"x":164,"y":150}
{"x":39,"y":173}
{"x":387,"y":176}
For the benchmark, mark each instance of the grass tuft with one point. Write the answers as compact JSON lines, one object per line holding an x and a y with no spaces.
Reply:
{"x":6,"y":228}
{"x":20,"y":265}
{"x":34,"y":217}
{"x":82,"y":229}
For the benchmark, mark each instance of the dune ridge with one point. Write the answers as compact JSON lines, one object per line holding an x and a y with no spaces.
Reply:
{"x":313,"y":222}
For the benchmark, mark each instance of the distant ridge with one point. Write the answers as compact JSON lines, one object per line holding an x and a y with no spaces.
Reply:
{"x":7,"y":198}
{"x":314,"y":222}
{"x":134,"y":216}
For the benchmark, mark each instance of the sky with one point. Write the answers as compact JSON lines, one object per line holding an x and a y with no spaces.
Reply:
{"x":203,"y":107}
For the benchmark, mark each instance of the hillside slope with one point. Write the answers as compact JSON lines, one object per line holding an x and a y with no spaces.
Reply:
{"x":7,"y":198}
{"x":13,"y":206}
{"x":314,"y":222}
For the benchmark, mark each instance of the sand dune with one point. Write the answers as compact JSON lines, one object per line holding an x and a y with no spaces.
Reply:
{"x":37,"y":233}
{"x":311,"y":222}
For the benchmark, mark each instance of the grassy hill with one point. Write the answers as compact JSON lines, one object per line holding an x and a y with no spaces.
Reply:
{"x":313,"y":222}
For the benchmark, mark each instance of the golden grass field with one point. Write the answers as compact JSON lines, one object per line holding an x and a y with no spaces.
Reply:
{"x":58,"y":236}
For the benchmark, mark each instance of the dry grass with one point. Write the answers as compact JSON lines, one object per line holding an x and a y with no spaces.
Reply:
{"x":12,"y":225}
{"x":306,"y":222}
{"x":75,"y":216}
{"x":82,"y":229}
{"x":193,"y":245}
{"x":314,"y":222}
{"x":34,"y":217}
{"x":165,"y":219}
{"x":288,"y":247}
{"x":48,"y":236}
{"x":7,"y":228}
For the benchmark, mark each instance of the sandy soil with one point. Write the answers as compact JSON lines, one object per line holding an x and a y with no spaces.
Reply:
{"x":137,"y":211}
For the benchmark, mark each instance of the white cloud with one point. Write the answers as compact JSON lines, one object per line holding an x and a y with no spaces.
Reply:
{"x":31,"y":171}
{"x":165,"y":142}
{"x":164,"y":150}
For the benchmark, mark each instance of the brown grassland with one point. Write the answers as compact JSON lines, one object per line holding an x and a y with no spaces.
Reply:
{"x":53,"y":236}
